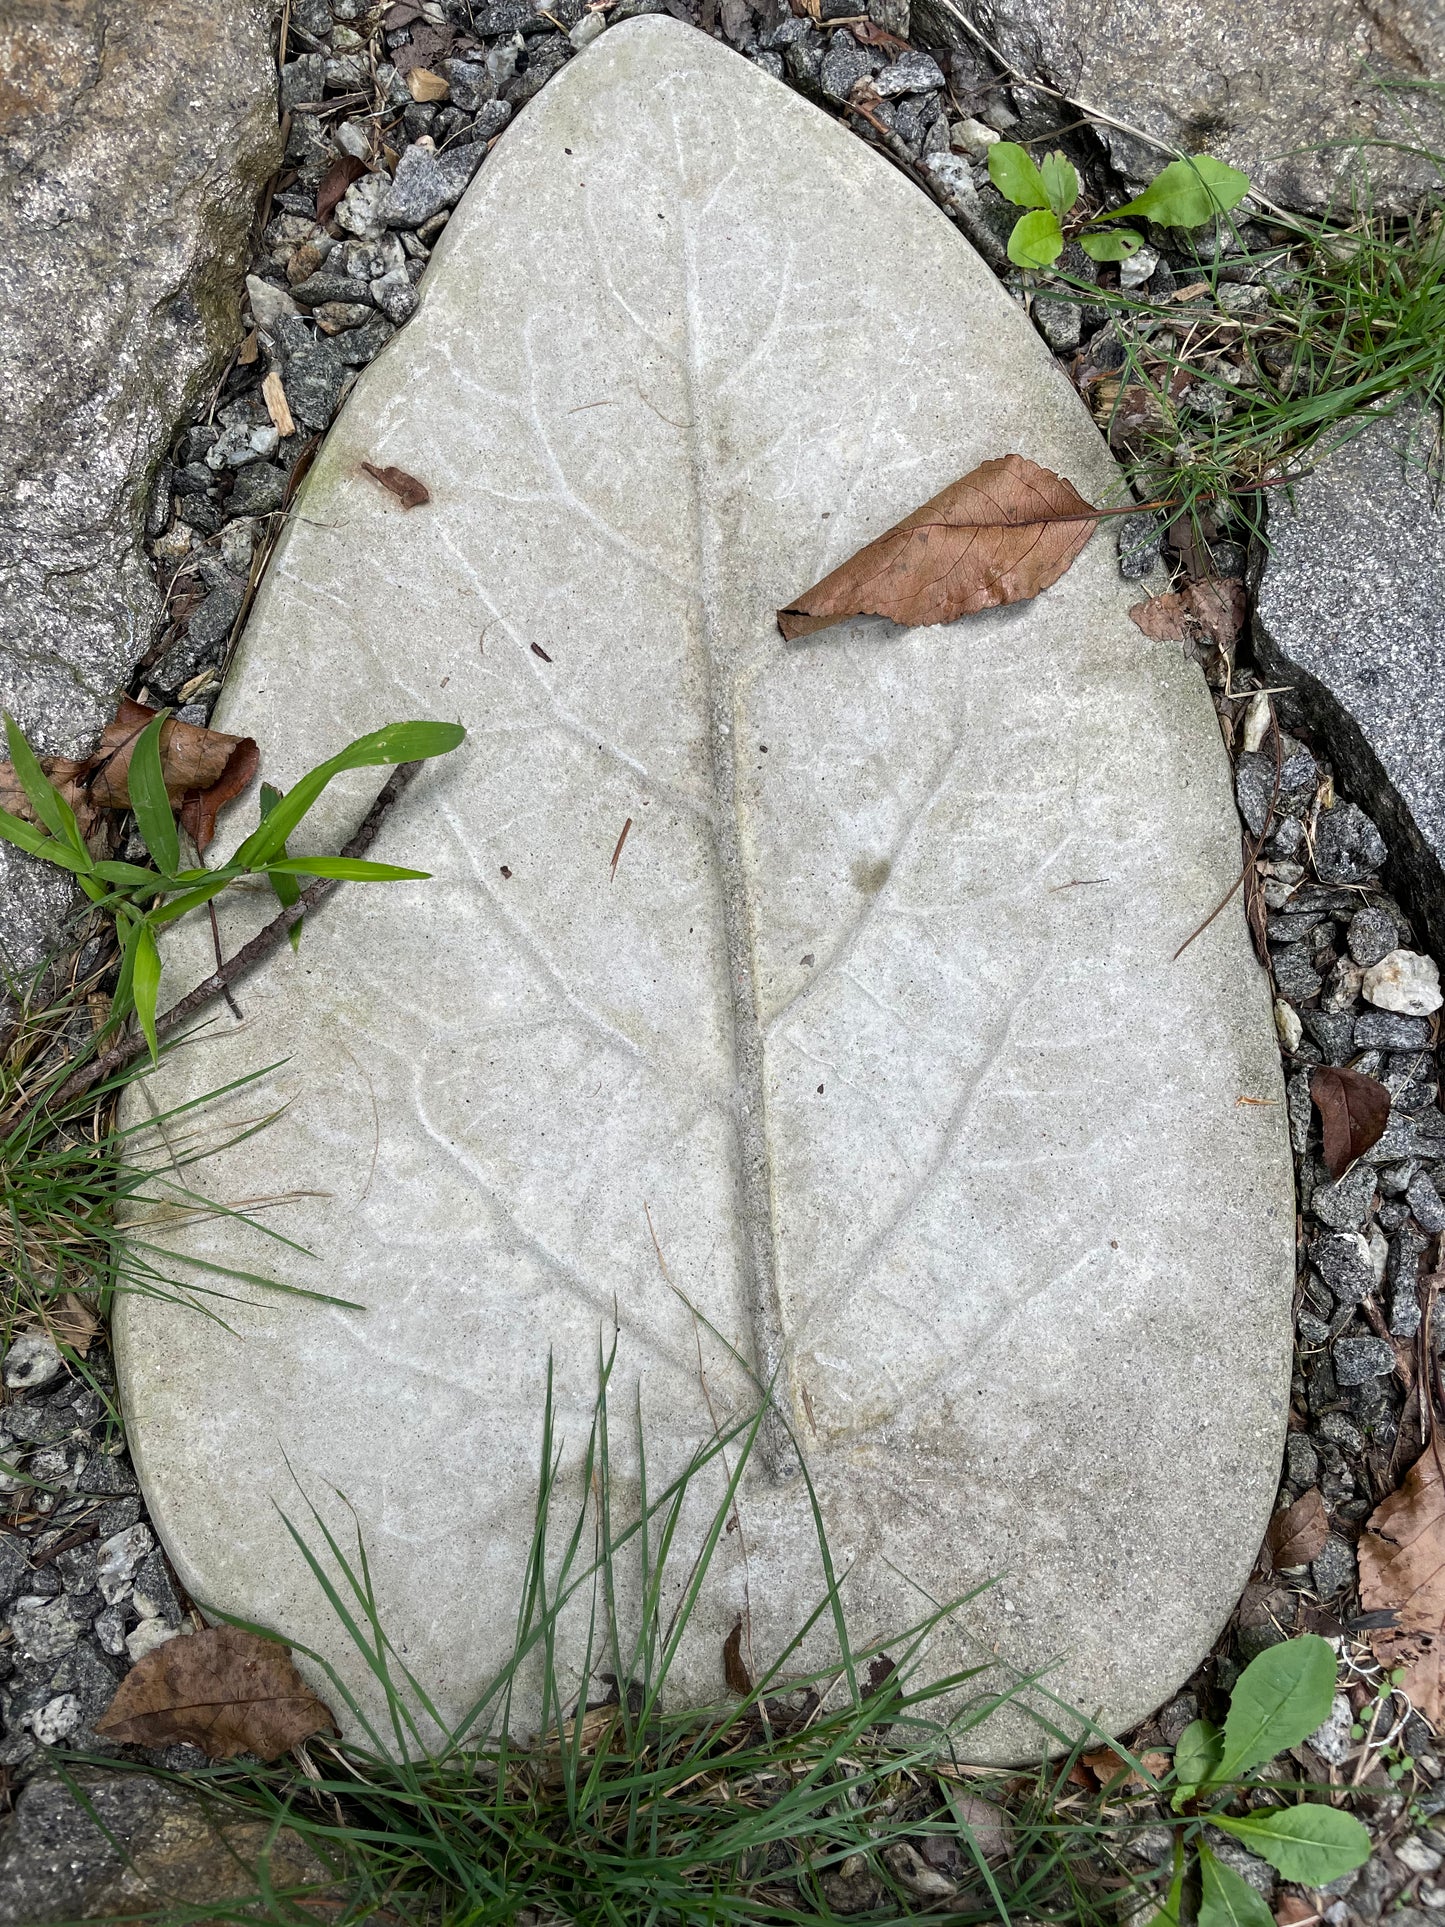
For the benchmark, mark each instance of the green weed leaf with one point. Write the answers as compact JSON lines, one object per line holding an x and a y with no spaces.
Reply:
{"x":353,"y":869}
{"x":1228,"y":1900}
{"x":1114,"y":244}
{"x":397,"y":743}
{"x":1168,"y":1914}
{"x":1280,"y":1699}
{"x":25,"y":836}
{"x":1196,"y":1755}
{"x":1037,"y":240}
{"x":287,"y":889}
{"x":1188,"y":193}
{"x":1012,"y":170}
{"x":149,"y":800}
{"x":146,"y":982}
{"x":43,"y":797}
{"x":1061,"y":183}
{"x":1309,"y":1844}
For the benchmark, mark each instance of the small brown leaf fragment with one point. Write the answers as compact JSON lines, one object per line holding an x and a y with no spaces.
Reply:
{"x":735,"y":1671}
{"x":423,"y":85}
{"x":612,"y":878}
{"x":1213,"y":608}
{"x":249,"y":349}
{"x":1001,"y":534}
{"x":70,"y":1321}
{"x":334,"y":183}
{"x":1293,"y":1910}
{"x":1297,"y":1535}
{"x":1402,"y":1571}
{"x":406,"y":488}
{"x":1354,"y":1110}
{"x":66,"y":775}
{"x":538,"y":650}
{"x":224,"y":1690}
{"x":273,"y":393}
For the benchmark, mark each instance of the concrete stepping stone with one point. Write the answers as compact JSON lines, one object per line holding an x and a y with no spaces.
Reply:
{"x":868,"y":1040}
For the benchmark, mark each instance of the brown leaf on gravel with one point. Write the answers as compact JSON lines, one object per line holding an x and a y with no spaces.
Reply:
{"x":1402,"y":1570}
{"x":1354,"y":1110}
{"x":1293,"y":1910}
{"x":1213,"y":608}
{"x":334,"y":183}
{"x":224,"y":1690}
{"x":1000,"y":534}
{"x":406,"y":488}
{"x":1297,"y":1535}
{"x":70,"y":1321}
{"x":428,"y":47}
{"x":423,"y":85}
{"x":204,"y":768}
{"x":735,"y":1671}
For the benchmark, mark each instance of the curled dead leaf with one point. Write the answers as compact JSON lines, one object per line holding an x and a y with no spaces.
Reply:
{"x":1214,"y":608}
{"x":406,"y":488}
{"x":1402,"y":1571}
{"x":224,"y":1690}
{"x":1297,"y":1535}
{"x":1001,"y":534}
{"x":735,"y":1671}
{"x":204,"y":769}
{"x":1354,"y":1110}
{"x":334,"y":183}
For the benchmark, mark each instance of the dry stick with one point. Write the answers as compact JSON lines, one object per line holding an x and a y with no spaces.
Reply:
{"x":248,"y":956}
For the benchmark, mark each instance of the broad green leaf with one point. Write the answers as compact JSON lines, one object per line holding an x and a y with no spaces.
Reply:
{"x":1114,"y":244}
{"x":1280,"y":1699}
{"x":287,"y":889}
{"x":1061,"y":183}
{"x":130,"y":874}
{"x":397,"y":743}
{"x":146,"y":982}
{"x":147,"y":784}
{"x":1196,"y":1754}
{"x":46,"y":801}
{"x":1228,"y":1900}
{"x":1188,"y":193}
{"x":353,"y":868}
{"x":128,"y":929}
{"x":1037,"y":240}
{"x":1309,"y":1844}
{"x":192,"y":899}
{"x":1012,"y":170}
{"x":35,"y":842}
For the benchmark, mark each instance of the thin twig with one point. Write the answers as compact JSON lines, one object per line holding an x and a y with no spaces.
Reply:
{"x":248,"y":956}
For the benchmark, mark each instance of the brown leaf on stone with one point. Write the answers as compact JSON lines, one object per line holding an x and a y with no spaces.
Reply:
{"x":65,"y":775}
{"x":406,"y":488}
{"x":735,"y":1671}
{"x":872,"y":35}
{"x":1297,"y":1535}
{"x":1213,"y":608}
{"x":224,"y":1690}
{"x":204,"y":768}
{"x":1293,"y":1910}
{"x":1354,"y":1111}
{"x":334,"y":183}
{"x":999,"y":535}
{"x":428,"y":47}
{"x":1402,"y":1571}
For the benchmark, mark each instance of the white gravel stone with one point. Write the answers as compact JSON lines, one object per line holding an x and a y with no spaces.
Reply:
{"x":587,"y":29}
{"x":1287,"y":1023}
{"x":1414,"y":1853}
{"x":149,"y":1634}
{"x":43,"y":1628}
{"x":33,"y":1361}
{"x":954,"y":1147}
{"x":1332,"y":1741}
{"x":268,"y":303}
{"x":1406,"y":982}
{"x":972,"y":137}
{"x":360,"y":208}
{"x":116,"y":1560}
{"x":56,"y":1720}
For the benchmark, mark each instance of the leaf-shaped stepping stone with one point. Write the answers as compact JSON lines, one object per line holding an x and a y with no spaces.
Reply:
{"x":869,"y":1031}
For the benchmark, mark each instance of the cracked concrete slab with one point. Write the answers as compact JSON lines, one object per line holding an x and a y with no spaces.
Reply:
{"x":868,"y":1061}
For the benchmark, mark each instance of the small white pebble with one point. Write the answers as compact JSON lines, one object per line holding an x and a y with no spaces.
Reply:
{"x":147,"y":1636}
{"x":1413,"y":1853}
{"x":32,"y":1361}
{"x":58,"y":1719}
{"x":1406,"y":982}
{"x":1287,"y":1023}
{"x":971,"y":137}
{"x":1256,"y":722}
{"x":587,"y":30}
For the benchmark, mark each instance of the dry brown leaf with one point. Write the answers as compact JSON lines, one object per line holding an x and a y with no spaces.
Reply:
{"x":999,"y":535}
{"x":334,"y":183}
{"x":735,"y":1671}
{"x":872,"y":35}
{"x":65,"y":775}
{"x":423,"y":85}
{"x":1402,"y":1570}
{"x":1293,"y":1910}
{"x":204,"y":768}
{"x":1354,"y":1110}
{"x":1213,"y":608}
{"x":1297,"y":1535}
{"x":406,"y":488}
{"x":273,"y":393}
{"x":70,"y":1321}
{"x":224,"y":1690}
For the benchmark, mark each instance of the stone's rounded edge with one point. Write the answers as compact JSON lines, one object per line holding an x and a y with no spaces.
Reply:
{"x":1108,"y":598}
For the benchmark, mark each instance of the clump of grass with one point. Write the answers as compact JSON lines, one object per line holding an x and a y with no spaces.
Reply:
{"x":815,"y":1793}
